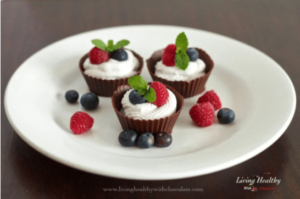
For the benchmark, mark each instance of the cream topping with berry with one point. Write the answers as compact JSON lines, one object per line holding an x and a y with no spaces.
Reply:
{"x":148,"y":111}
{"x":194,"y":70}
{"x":180,"y":63}
{"x":112,"y":69}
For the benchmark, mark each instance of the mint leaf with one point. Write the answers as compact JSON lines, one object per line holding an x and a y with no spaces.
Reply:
{"x":99,"y":44}
{"x":138,"y":84}
{"x":182,"y":60}
{"x":181,"y":43}
{"x":150,"y":95}
{"x":110,"y":43}
{"x":121,"y":44}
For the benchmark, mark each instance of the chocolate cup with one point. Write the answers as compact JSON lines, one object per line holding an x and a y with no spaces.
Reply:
{"x":185,"y":88}
{"x":165,"y":124}
{"x":105,"y":87}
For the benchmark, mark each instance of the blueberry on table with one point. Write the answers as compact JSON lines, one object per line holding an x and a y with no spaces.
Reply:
{"x":71,"y":96}
{"x":192,"y":53}
{"x":145,"y":140}
{"x":135,"y":98}
{"x":127,"y":138}
{"x":163,"y":139}
{"x":225,"y":116}
{"x":89,"y":101}
{"x":120,"y":55}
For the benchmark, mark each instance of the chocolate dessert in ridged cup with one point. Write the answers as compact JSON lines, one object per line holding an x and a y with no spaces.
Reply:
{"x":164,"y":124}
{"x":102,"y":86}
{"x":168,"y":57}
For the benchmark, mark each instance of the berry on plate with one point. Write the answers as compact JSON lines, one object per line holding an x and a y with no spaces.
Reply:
{"x":192,"y":53}
{"x":71,"y":96}
{"x":81,"y":122}
{"x":89,"y":101}
{"x":119,"y":55}
{"x":202,"y":114}
{"x":98,"y":56}
{"x":135,"y":98}
{"x":163,"y":139}
{"x":225,"y":116}
{"x":168,"y":57}
{"x":212,"y":97}
{"x":127,"y":138}
{"x":145,"y":140}
{"x":162,"y":94}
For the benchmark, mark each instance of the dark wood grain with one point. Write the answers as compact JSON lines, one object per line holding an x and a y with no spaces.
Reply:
{"x":27,"y":26}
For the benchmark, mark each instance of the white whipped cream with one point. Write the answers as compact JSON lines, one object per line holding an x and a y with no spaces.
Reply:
{"x":112,"y":69}
{"x":194,"y":70}
{"x":148,"y":111}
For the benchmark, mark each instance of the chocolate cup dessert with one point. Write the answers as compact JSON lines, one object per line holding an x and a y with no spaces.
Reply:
{"x":185,"y":88}
{"x":106,"y":87}
{"x":165,"y":124}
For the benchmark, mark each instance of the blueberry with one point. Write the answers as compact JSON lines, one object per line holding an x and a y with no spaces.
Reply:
{"x":146,"y":140}
{"x":163,"y":139}
{"x":225,"y":116}
{"x":192,"y":53}
{"x":127,"y":138}
{"x":135,"y":98}
{"x":119,"y":55}
{"x":89,"y":101}
{"x":71,"y":96}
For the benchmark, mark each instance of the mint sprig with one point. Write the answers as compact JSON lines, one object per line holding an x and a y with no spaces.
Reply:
{"x":110,"y":47}
{"x":141,"y":86}
{"x":181,"y":58}
{"x":150,"y":95}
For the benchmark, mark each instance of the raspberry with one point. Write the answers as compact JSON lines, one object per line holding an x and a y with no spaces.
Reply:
{"x":81,"y":122}
{"x":168,"y":57}
{"x":162,"y":94}
{"x":202,"y":114}
{"x":212,"y":97}
{"x":98,"y":56}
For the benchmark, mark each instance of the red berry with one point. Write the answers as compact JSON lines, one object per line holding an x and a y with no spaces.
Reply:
{"x":162,"y":94}
{"x":98,"y":56}
{"x":212,"y":97}
{"x":202,"y":114}
{"x":168,"y":57}
{"x":81,"y":122}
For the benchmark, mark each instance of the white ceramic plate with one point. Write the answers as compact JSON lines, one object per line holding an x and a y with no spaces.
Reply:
{"x":247,"y":81}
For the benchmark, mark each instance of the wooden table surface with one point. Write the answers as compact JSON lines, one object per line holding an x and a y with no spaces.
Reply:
{"x":28,"y":25}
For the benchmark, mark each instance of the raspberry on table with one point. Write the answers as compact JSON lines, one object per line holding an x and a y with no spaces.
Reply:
{"x":212,"y":97}
{"x":168,"y":57}
{"x":98,"y":56}
{"x":81,"y":122}
{"x":202,"y":114}
{"x":162,"y":94}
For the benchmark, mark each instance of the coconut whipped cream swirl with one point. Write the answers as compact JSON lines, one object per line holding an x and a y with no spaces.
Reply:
{"x":194,"y":70}
{"x":112,"y":69}
{"x":148,"y":111}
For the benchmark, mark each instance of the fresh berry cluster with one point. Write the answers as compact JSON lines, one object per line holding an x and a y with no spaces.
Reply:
{"x":102,"y":52}
{"x":88,"y":101}
{"x":179,"y":54}
{"x":156,"y":93}
{"x":80,"y":121}
{"x":146,"y":140}
{"x":203,"y":112}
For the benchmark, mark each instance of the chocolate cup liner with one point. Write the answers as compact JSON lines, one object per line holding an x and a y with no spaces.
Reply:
{"x":165,"y":124}
{"x":185,"y":88}
{"x":105,"y":87}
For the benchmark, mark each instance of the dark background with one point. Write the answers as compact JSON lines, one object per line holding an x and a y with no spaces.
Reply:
{"x":272,"y":26}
